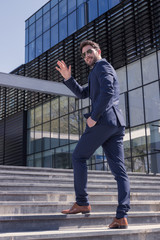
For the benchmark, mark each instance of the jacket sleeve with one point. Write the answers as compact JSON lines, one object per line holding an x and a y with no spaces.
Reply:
{"x":79,"y":91}
{"x":106,"y":80}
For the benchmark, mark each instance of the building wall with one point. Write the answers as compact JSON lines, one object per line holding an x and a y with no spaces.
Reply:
{"x":57,"y":20}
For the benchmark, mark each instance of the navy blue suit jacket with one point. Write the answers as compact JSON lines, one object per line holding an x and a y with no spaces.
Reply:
{"x":103,"y":90}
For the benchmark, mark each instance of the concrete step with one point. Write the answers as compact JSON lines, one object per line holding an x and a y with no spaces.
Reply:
{"x":56,"y":207}
{"x":44,"y":222}
{"x":134,"y":232}
{"x":69,"y":187}
{"x":69,"y":180}
{"x":70,"y":196}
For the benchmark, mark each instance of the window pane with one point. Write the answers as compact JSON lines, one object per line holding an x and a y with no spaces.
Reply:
{"x":63,"y":106}
{"x":46,"y":8}
{"x":46,"y":136}
{"x":32,"y":32}
{"x":103,"y":6}
{"x":53,"y":3}
{"x":154,"y":163}
{"x":26,"y":24}
{"x":38,"y":46}
{"x":122,"y":105}
{"x":55,"y":108}
{"x":55,"y":133}
{"x":138,"y":141}
{"x":64,"y":130}
{"x":152,"y":101}
{"x":71,"y":5}
{"x":31,"y":51}
{"x":136,"y":109}
{"x":134,"y":75}
{"x":26,"y":54}
{"x":39,"y":14}
{"x":32,"y":19}
{"x":92,"y":9}
{"x":38,"y":138}
{"x":38,"y":115}
{"x":74,"y":127}
{"x":63,"y":29}
{"x":38,"y":160}
{"x":30,"y":141}
{"x":112,"y":3}
{"x":121,"y":73}
{"x":81,"y":16}
{"x":153,"y":136}
{"x":62,"y":9}
{"x":126,"y":143}
{"x":47,"y":159}
{"x":38,"y":27}
{"x":46,"y":112}
{"x":140,"y":164}
{"x":46,"y":41}
{"x":149,"y":67}
{"x":72,"y":23}
{"x":46,"y":21}
{"x":54,"y":35}
{"x":30,"y":118}
{"x":79,"y":2}
{"x":54,"y":15}
{"x":61,"y":158}
{"x":30,"y":161}
{"x":26,"y":36}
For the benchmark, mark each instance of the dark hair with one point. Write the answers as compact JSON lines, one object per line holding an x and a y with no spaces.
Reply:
{"x":89,"y":42}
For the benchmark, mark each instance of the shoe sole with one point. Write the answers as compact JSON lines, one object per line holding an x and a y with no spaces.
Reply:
{"x":119,"y":227}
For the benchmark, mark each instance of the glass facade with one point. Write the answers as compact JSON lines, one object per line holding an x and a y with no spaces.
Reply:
{"x":59,"y":19}
{"x":55,"y":127}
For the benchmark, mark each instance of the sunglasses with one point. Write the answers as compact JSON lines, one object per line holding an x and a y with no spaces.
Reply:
{"x":89,"y":51}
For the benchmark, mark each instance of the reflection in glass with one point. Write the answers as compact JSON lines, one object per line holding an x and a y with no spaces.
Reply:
{"x":136,"y":109}
{"x":74,"y":127}
{"x":26,"y":54}
{"x":26,"y":36}
{"x":92,"y":9}
{"x":32,"y":32}
{"x":112,"y":3}
{"x":61,"y":157}
{"x":149,"y":67}
{"x":81,"y":16}
{"x":47,"y":159}
{"x":53,"y":3}
{"x":31,"y":51}
{"x":122,"y":106}
{"x":128,"y":164}
{"x":121,"y":73}
{"x":54,"y":35}
{"x":126,"y":143}
{"x":71,"y":5}
{"x":46,"y":41}
{"x":134,"y":75}
{"x":30,"y":141}
{"x":38,"y":138}
{"x":153,"y":136}
{"x":102,"y":6}
{"x":38,"y":46}
{"x":64,"y":130}
{"x":72,"y":23}
{"x":140,"y":164}
{"x":54,"y":15}
{"x":138,"y":141}
{"x":63,"y":29}
{"x":38,"y":27}
{"x":39,"y":14}
{"x":55,"y":133}
{"x":152,"y":101}
{"x":46,"y":112}
{"x":55,"y":108}
{"x":46,"y":21}
{"x":46,"y":7}
{"x":30,"y":118}
{"x":63,"y":105}
{"x":30,"y":161}
{"x":154,"y":163}
{"x":62,"y":9}
{"x":38,"y":115}
{"x":46,"y":136}
{"x":38,"y":160}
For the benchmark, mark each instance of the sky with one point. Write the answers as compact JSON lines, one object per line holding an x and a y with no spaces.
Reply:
{"x":13,"y":14}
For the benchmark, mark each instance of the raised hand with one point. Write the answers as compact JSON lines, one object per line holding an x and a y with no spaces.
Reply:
{"x":64,"y":70}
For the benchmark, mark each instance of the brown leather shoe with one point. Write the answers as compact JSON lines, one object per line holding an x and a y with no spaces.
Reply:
{"x":77,"y":209}
{"x":119,"y":223}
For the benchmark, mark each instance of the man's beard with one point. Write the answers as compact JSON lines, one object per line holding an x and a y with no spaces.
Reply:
{"x":92,"y":61}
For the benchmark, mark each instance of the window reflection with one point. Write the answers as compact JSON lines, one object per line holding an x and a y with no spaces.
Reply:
{"x":103,"y":6}
{"x":61,"y":157}
{"x":55,"y":108}
{"x":55,"y":133}
{"x":46,"y":136}
{"x":140,"y":164}
{"x":134,"y":75}
{"x":72,"y":23}
{"x":153,"y":137}
{"x":38,"y":138}
{"x":32,"y":32}
{"x":138,"y":141}
{"x":54,"y":15}
{"x":92,"y":9}
{"x":54,"y":35}
{"x":47,"y":159}
{"x":71,"y":5}
{"x":62,"y":9}
{"x":64,"y":130}
{"x":121,"y":73}
{"x":38,"y":115}
{"x":38,"y":46}
{"x":38,"y":160}
{"x":39,"y":27}
{"x":149,"y":67}
{"x":74,"y":127}
{"x":63,"y":29}
{"x":63,"y":105}
{"x":46,"y":41}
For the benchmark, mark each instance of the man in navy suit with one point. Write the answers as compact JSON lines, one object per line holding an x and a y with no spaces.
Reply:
{"x":105,"y":127}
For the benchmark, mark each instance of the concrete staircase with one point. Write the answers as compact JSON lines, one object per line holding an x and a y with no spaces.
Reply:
{"x":31,"y":200}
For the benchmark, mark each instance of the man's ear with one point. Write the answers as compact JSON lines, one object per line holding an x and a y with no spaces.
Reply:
{"x":99,"y":51}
